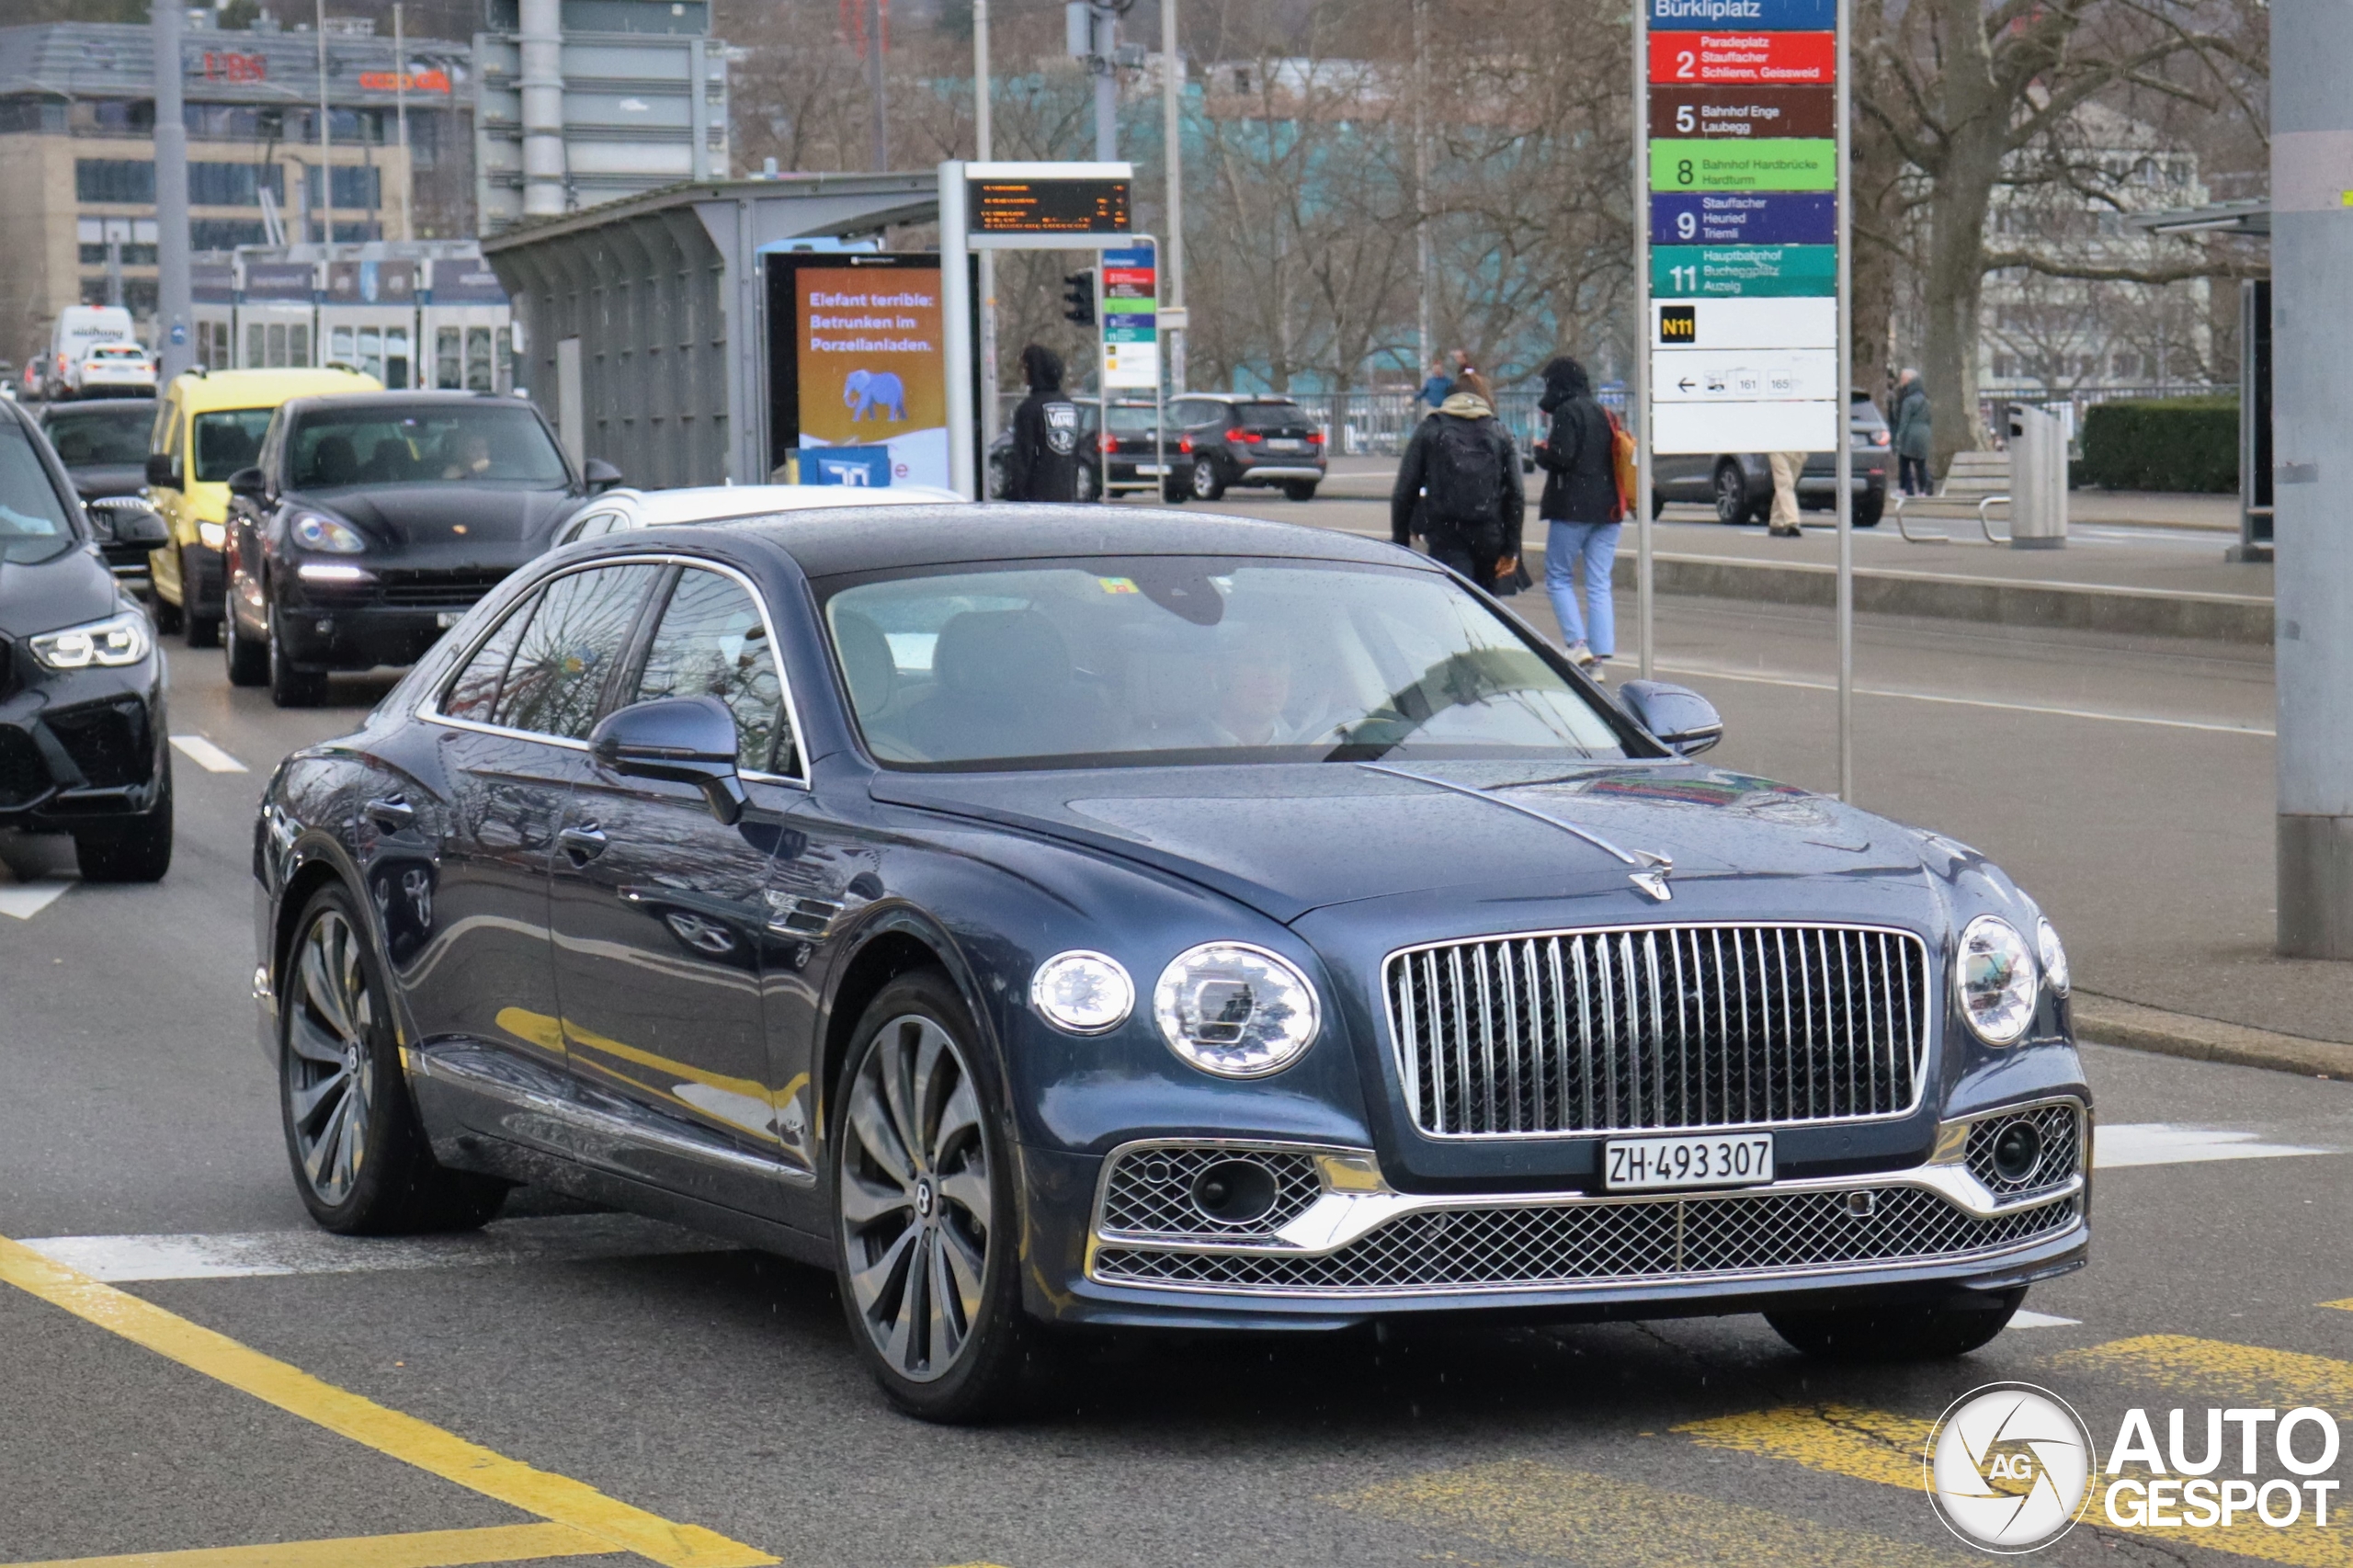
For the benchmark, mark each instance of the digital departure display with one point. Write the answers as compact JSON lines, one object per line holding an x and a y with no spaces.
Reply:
{"x":1047,"y":206}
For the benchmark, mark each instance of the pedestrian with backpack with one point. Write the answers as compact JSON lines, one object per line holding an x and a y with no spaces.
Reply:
{"x":1457,"y":487}
{"x":1582,"y":509}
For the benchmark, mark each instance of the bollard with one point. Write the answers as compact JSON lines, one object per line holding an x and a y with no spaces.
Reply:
{"x":2038,"y":479}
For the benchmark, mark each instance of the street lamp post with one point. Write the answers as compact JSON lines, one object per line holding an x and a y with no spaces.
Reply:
{"x":173,"y":301}
{"x":983,"y":140}
{"x":1172,"y":91}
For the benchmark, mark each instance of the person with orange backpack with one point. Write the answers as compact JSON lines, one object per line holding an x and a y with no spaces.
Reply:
{"x":1587,"y":494}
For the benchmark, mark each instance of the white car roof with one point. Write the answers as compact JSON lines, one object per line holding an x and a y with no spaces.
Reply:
{"x":704,"y":504}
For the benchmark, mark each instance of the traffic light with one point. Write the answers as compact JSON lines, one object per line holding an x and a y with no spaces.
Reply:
{"x":1078,"y":297}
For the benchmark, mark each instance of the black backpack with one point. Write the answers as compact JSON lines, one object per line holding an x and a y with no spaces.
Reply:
{"x":1466,"y":472}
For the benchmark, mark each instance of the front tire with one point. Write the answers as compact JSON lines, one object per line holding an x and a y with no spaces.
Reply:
{"x":138,"y":853}
{"x":1731,"y":495}
{"x":361,"y":1162}
{"x":247,"y":661}
{"x":926,"y":1226}
{"x":1207,"y":485}
{"x":289,"y":687}
{"x":1913,"y":1332}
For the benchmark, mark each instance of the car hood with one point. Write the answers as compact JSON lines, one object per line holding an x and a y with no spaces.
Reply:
{"x":1288,"y":840}
{"x":508,"y":524}
{"x":93,"y":480}
{"x":65,"y":590}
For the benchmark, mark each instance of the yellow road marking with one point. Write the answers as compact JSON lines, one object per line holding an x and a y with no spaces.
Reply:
{"x":425,"y":1548}
{"x":2346,"y":1305}
{"x":405,"y":1438}
{"x":2185,"y":1366}
{"x":1873,"y":1444}
{"x":1543,"y":1510}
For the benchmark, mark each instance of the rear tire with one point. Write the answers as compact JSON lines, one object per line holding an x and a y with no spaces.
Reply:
{"x":1896,"y":1333}
{"x":1089,"y":488}
{"x":1203,"y":476}
{"x":138,"y":853}
{"x":1868,"y":513}
{"x":1658,"y":503}
{"x":1174,"y":492}
{"x":361,"y":1162}
{"x":1299,"y":489}
{"x":290,"y":688}
{"x":247,"y":661}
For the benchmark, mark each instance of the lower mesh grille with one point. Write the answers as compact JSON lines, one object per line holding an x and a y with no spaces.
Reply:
{"x":1537,"y":1245}
{"x":108,"y":740}
{"x":2060,"y":1152}
{"x":1150,"y":1192}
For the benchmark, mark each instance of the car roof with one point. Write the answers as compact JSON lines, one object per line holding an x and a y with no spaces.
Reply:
{"x":826,"y":544}
{"x":264,"y":389}
{"x":96,"y":404}
{"x":377,"y":397}
{"x":714,"y":503}
{"x":1242,"y":397}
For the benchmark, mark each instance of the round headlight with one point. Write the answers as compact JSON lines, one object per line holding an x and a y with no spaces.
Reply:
{"x":1996,"y":980}
{"x":1083,"y":993}
{"x":2054,"y":957}
{"x":1235,"y":1010}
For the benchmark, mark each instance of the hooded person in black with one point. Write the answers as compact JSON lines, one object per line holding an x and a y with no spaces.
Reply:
{"x":1458,"y":486}
{"x":1043,"y":464}
{"x":1580,"y":510}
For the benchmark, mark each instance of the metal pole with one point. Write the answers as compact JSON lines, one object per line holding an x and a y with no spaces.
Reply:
{"x":1643,"y":324}
{"x":2312,"y":344}
{"x":1106,"y":85}
{"x":1102,"y":386}
{"x":984,"y":139}
{"x":1421,"y":187}
{"x":400,"y":121}
{"x":1172,"y":279}
{"x":326,"y":143}
{"x":956,"y":320}
{"x":875,"y":85}
{"x":174,"y":304}
{"x":1843,"y":417}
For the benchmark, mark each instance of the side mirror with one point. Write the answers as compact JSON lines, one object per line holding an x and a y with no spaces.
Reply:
{"x":249,"y":483}
{"x":1685,"y":722}
{"x":128,"y":521}
{"x":600,"y":474}
{"x":686,"y":740}
{"x":161,"y":471}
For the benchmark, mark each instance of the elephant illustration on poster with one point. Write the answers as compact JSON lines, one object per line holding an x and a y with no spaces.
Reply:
{"x":876,"y":392}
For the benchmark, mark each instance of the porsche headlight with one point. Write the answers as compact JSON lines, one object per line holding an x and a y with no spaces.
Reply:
{"x":1235,"y":1010}
{"x":1996,"y":980}
{"x":1083,"y":993}
{"x":2054,"y":957}
{"x":333,"y":535}
{"x":107,"y":644}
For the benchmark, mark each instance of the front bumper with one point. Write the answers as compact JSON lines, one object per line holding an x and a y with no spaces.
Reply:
{"x":1344,"y":1245}
{"x":82,"y":748}
{"x":1278,"y":470}
{"x":391,"y":618}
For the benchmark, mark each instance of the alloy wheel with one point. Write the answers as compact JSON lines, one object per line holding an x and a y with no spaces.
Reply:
{"x":915,"y":1198}
{"x":330,"y":1072}
{"x":1731,"y":495}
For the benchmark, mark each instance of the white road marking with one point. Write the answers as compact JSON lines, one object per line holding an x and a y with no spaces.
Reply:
{"x":1709,"y":673}
{"x":207,"y":755}
{"x":2162,"y":1143}
{"x":562,"y":1238}
{"x":24,"y":900}
{"x":2024,"y":1319}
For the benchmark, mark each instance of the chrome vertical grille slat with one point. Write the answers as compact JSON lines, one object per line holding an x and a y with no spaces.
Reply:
{"x":1660,"y":1027}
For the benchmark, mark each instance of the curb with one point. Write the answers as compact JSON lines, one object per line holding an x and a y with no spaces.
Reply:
{"x":2107,"y":1020}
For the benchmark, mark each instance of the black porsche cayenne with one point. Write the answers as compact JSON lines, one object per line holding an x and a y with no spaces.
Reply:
{"x":374,"y":521}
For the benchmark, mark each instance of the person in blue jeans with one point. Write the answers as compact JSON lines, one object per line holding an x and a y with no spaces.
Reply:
{"x":1580,"y":508}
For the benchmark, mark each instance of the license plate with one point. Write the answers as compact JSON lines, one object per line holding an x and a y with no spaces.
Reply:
{"x":448,"y":617}
{"x":1276,"y":444}
{"x":1656,"y":1164}
{"x":1153,"y":470}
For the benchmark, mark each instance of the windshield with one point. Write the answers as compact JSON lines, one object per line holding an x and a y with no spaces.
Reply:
{"x":1168,"y":659}
{"x":85,"y":437}
{"x":426,"y":444}
{"x":1269,"y":415}
{"x":33,"y":523}
{"x":227,"y":441}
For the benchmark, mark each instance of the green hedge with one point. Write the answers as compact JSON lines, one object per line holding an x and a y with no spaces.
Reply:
{"x":2180,"y":443}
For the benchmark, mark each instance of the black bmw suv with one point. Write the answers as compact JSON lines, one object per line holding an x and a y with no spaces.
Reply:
{"x":1231,"y":438}
{"x":373,"y":520}
{"x":84,"y":747}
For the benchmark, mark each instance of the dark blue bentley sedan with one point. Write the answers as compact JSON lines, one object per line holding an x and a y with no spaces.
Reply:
{"x":1045,"y":917}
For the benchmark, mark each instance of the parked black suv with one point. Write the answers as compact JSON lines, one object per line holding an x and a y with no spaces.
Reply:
{"x":373,"y":520}
{"x":84,"y":743}
{"x":1740,"y":485}
{"x":1233,"y":438}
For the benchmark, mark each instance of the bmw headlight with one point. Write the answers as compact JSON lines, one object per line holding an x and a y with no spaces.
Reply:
{"x":108,"y":644}
{"x":2054,"y":957}
{"x":1997,"y":979}
{"x":1235,"y":1010}
{"x":333,"y":535}
{"x":1083,"y":993}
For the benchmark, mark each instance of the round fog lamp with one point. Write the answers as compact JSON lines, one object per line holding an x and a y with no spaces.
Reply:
{"x":1234,"y":1192}
{"x":1235,"y":1010}
{"x":2017,"y":1149}
{"x":1995,"y":977}
{"x":1083,"y":993}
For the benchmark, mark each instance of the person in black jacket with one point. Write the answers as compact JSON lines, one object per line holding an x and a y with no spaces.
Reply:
{"x":1458,"y":486}
{"x":1580,"y":506}
{"x":1043,"y":464}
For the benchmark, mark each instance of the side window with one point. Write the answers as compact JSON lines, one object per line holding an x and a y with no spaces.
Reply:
{"x":579,"y":632}
{"x":712,"y":643}
{"x":474,"y":694}
{"x":597,"y":525}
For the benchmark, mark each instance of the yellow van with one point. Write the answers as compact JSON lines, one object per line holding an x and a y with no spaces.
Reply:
{"x":207,"y":427}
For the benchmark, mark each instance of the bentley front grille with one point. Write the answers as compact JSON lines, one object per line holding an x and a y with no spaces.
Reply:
{"x":1659,"y":1027}
{"x":1534,"y":1246}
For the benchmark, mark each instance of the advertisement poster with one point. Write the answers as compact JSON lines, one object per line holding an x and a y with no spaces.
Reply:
{"x":869,"y":369}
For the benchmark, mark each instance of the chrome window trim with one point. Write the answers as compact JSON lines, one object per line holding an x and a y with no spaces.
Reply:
{"x":428,"y":710}
{"x":1932,"y":1029}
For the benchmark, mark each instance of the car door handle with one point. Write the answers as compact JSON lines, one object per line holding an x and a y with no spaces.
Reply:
{"x":392,"y":814}
{"x":583,"y":843}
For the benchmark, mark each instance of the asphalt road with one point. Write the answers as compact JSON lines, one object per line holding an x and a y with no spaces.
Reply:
{"x":715,"y":1388}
